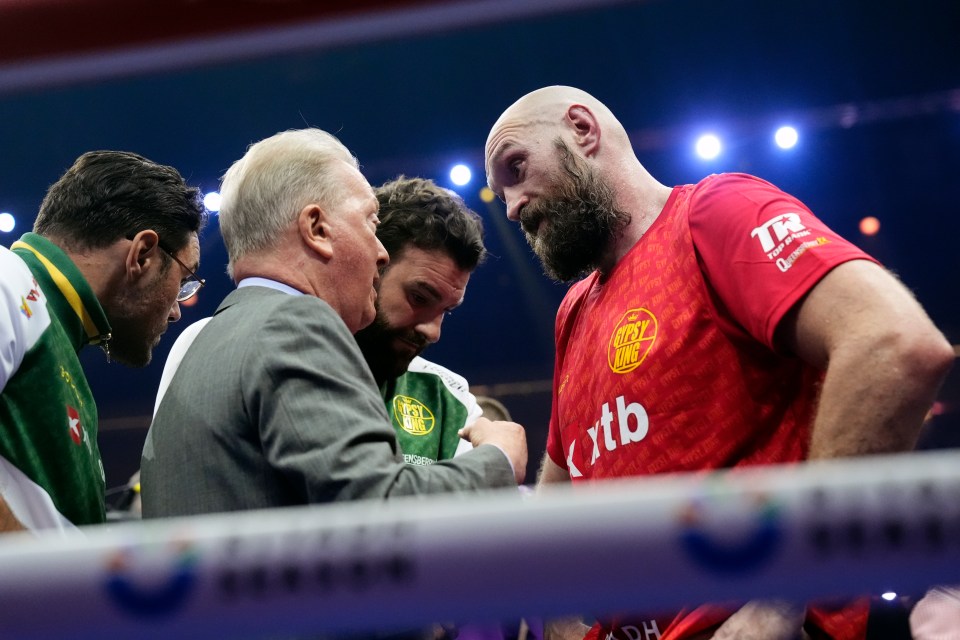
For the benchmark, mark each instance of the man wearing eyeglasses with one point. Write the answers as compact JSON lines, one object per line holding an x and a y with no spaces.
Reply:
{"x":113,"y":251}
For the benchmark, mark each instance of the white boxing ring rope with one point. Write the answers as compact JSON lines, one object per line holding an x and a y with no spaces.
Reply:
{"x":838,"y":528}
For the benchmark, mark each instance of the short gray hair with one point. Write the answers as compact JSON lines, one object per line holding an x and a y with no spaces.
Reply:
{"x":265,"y":190}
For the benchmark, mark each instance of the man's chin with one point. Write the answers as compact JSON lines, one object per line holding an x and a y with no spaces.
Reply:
{"x":365,"y":320}
{"x":387,"y":366}
{"x":136,"y":361}
{"x":406,"y":365}
{"x":132,"y":354}
{"x":401,"y":361}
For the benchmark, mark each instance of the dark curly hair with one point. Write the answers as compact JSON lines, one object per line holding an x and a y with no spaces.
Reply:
{"x":415,"y":211}
{"x":108,"y":195}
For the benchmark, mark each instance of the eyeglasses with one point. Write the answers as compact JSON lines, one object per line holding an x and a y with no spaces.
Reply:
{"x":192,"y":285}
{"x":189,"y":288}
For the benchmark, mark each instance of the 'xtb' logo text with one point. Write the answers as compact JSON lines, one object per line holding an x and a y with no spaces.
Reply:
{"x":632,"y":426}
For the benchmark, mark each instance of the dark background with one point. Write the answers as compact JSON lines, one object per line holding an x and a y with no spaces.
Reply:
{"x":873,"y":87}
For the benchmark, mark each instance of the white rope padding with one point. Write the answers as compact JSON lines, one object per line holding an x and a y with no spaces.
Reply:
{"x":837,"y":528}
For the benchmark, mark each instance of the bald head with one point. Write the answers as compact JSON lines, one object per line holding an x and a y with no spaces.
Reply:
{"x":547,"y":112}
{"x":548,"y":105}
{"x":563,"y":165}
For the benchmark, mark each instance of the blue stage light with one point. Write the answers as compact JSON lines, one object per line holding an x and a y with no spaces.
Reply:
{"x":212,"y":201}
{"x":709,"y":146}
{"x":7,"y":222}
{"x":786,"y":137}
{"x":460,"y":175}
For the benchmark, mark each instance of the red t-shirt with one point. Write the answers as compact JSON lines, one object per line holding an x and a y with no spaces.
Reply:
{"x":672,"y":364}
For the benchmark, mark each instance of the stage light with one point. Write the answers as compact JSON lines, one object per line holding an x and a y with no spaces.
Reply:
{"x":786,"y":137}
{"x":487,"y":195}
{"x":709,"y":146}
{"x":7,"y":222}
{"x":889,"y":596}
{"x":460,"y":175}
{"x":869,"y":226}
{"x":212,"y":201}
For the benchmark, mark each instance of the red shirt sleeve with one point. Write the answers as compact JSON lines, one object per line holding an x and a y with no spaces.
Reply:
{"x":761,"y":249}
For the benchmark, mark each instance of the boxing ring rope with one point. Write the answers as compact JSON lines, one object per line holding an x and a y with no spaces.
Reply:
{"x":833,"y":528}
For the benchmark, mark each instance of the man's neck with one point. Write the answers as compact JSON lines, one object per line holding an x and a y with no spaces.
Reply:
{"x":644,"y":211}
{"x":272,"y":267}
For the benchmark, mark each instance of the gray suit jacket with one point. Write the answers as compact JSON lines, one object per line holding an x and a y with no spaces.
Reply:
{"x":273,"y":405}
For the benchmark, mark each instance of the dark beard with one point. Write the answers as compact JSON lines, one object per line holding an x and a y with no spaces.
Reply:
{"x":130,"y":345}
{"x":376,"y":344}
{"x":137,"y":320}
{"x":581,"y":220}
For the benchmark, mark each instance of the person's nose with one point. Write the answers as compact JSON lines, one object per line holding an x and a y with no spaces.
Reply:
{"x":383,"y":258}
{"x":174,"y":312}
{"x":515,"y":203}
{"x":431,"y":330}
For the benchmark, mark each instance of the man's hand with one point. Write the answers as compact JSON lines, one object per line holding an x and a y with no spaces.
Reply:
{"x":764,"y":620}
{"x":509,"y":437}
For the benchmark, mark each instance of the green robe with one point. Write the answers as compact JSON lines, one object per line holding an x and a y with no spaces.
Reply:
{"x":50,"y":469}
{"x":427,"y":406}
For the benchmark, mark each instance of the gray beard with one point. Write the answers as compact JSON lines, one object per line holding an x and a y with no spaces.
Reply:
{"x":580,"y":221}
